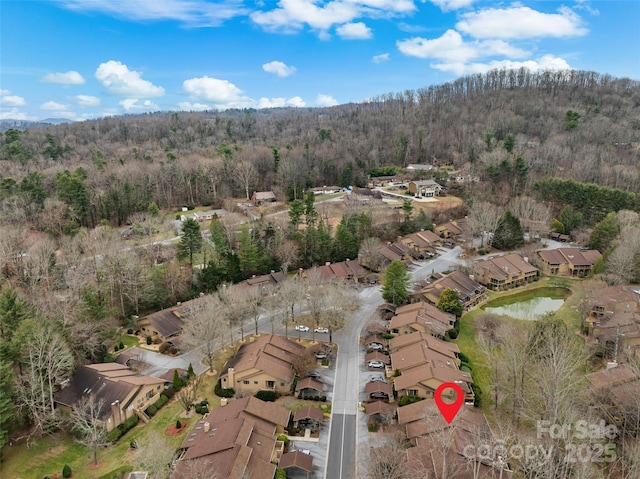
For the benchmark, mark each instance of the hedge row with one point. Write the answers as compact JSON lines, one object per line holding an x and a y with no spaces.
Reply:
{"x":122,"y":429}
{"x":223,"y":392}
{"x":153,"y":409}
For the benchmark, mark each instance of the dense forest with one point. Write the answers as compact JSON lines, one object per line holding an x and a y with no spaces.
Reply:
{"x":572,"y":124}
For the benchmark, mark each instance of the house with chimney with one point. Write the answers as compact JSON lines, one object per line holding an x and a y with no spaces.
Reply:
{"x":574,"y":262}
{"x":421,"y":316}
{"x":424,"y":363}
{"x":263,"y":363}
{"x":470,"y":292}
{"x":504,"y":272}
{"x":119,"y":392}
{"x":235,"y":441}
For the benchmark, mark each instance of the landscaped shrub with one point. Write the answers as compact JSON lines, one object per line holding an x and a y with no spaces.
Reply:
{"x":465,"y":368}
{"x":121,"y":345}
{"x":280,"y":474}
{"x":316,"y":398}
{"x":404,"y":400}
{"x":164,"y":347}
{"x":116,"y":347}
{"x":149,"y":340}
{"x":388,"y":336}
{"x":323,"y":398}
{"x":477,"y":392}
{"x":283,"y":438}
{"x":204,"y":402}
{"x":177,"y":382}
{"x":160,"y":402}
{"x":66,"y":471}
{"x":266,"y":395}
{"x":169,"y":392}
{"x":151,"y":411}
{"x":129,"y":331}
{"x":114,"y":435}
{"x":178,"y":424}
{"x":463,"y":357}
{"x":223,"y":392}
{"x":198,"y":409}
{"x":173,"y":350}
{"x":205,"y":409}
{"x":372,"y":425}
{"x":108,"y":358}
{"x":453,"y":334}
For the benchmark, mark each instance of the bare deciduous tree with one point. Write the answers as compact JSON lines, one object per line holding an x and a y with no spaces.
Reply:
{"x":88,"y":431}
{"x":246,"y":175}
{"x":156,"y":455}
{"x":205,"y":329}
{"x":47,"y":364}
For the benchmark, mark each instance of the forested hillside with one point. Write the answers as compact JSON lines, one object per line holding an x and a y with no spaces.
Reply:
{"x":575,"y":125}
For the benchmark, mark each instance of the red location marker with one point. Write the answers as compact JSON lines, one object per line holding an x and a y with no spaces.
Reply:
{"x":449,"y":411}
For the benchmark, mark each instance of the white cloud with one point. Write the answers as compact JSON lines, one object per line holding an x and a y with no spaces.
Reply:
{"x":222,"y":93}
{"x":546,"y":62}
{"x":59,"y":110}
{"x":53,"y":106}
{"x":15,"y":114}
{"x":135,"y":104}
{"x":279,"y":68}
{"x":4,"y":92}
{"x":119,"y":80}
{"x":452,"y":48}
{"x":296,"y":101}
{"x":354,"y":31}
{"x":12,"y":100}
{"x":188,"y":106}
{"x":448,"y":5}
{"x":521,"y":22}
{"x":87,"y":100}
{"x":325,"y":100}
{"x":194,"y":13}
{"x":383,"y":57}
{"x":293,"y":15}
{"x":67,"y":78}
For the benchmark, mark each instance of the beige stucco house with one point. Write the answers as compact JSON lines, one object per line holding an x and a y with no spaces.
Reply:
{"x":265,"y":363}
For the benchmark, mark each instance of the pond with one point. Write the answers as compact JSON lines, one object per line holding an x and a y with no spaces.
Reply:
{"x":531,"y":305}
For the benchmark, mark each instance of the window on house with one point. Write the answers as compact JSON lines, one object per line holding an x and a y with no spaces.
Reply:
{"x":412,"y":392}
{"x":245,"y":382}
{"x":282,"y":384}
{"x":271,"y":384}
{"x":255,"y":382}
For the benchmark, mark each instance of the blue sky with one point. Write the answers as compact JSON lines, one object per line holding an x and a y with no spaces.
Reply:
{"x":81,"y":59}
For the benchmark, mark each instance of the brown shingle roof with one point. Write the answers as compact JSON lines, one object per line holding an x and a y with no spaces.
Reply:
{"x":377,"y":355}
{"x":309,"y":383}
{"x":378,"y":386}
{"x":296,"y":459}
{"x":309,"y":412}
{"x":378,"y":407}
{"x":272,"y":354}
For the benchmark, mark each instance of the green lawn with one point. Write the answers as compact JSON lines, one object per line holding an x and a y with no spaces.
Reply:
{"x":50,"y":453}
{"x":128,"y":341}
{"x":468,"y":345}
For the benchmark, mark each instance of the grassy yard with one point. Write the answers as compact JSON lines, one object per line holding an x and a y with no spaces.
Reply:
{"x":467,"y":338}
{"x":50,"y":453}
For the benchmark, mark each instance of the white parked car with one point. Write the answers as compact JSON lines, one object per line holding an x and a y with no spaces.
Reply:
{"x":378,"y":379}
{"x":303,"y":328}
{"x":321,"y":355}
{"x":375,"y":347}
{"x":376,"y":364}
{"x":320,"y":329}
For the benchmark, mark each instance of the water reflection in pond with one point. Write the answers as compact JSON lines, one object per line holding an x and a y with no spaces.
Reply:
{"x":530,"y":309}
